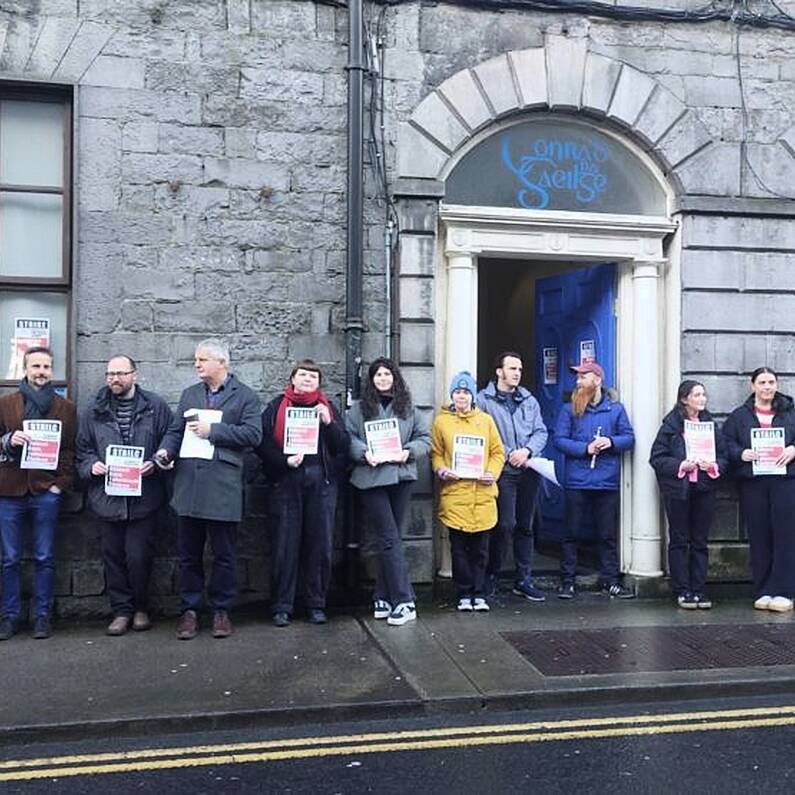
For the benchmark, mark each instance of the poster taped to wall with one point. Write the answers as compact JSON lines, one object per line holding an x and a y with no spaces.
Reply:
{"x":551,"y":358}
{"x":29,"y":332}
{"x":587,"y":351}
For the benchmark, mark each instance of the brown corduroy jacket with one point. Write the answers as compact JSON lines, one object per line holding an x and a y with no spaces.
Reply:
{"x":16,"y":482}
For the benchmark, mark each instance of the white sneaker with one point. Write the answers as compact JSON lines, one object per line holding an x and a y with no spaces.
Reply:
{"x":381,"y":609}
{"x":780,"y":604}
{"x":402,"y":614}
{"x":480,"y":605}
{"x":763,"y":602}
{"x":465,"y":604}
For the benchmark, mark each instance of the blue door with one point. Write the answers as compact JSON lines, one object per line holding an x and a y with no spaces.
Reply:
{"x":574,"y":321}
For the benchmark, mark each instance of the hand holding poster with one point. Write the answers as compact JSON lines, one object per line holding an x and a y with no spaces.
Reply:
{"x":768,"y":444}
{"x":383,"y":439}
{"x":301,"y":431}
{"x":123,"y":474}
{"x":44,"y":447}
{"x":700,"y":441}
{"x":193,"y":446}
{"x":469,"y":456}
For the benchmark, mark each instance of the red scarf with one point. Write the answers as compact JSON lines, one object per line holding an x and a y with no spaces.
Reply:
{"x":293,"y":398}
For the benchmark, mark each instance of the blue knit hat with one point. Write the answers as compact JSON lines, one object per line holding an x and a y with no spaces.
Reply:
{"x":463,"y":380}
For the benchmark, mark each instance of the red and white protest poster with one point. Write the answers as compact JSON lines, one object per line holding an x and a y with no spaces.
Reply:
{"x":469,"y":456}
{"x":383,"y":439}
{"x":768,"y":443}
{"x":587,"y":351}
{"x":551,"y":357}
{"x":123,"y":474}
{"x":29,"y":332}
{"x":42,"y":451}
{"x":700,"y":441}
{"x":301,"y":431}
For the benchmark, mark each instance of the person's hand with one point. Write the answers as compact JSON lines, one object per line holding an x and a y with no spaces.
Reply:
{"x":401,"y":457}
{"x":295,"y":461}
{"x":98,"y":468}
{"x":200,"y":428}
{"x":147,"y":468}
{"x":18,"y":438}
{"x":592,"y":448}
{"x":487,"y":478}
{"x":518,"y":458}
{"x":602,"y":443}
{"x":323,"y":413}
{"x":786,"y":456}
{"x":370,"y":458}
{"x":749,"y":455}
{"x":705,"y":465}
{"x":54,"y":489}
{"x":443,"y":473}
{"x":687,"y":465}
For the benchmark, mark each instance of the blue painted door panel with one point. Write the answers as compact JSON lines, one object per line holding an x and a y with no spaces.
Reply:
{"x":571,"y":309}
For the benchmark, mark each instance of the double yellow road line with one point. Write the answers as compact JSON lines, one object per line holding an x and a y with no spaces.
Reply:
{"x":152,"y":759}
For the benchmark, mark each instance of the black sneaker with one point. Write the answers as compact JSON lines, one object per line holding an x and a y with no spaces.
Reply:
{"x":42,"y":628}
{"x":618,"y":591}
{"x":8,"y":628}
{"x":687,"y":601}
{"x":566,"y":591}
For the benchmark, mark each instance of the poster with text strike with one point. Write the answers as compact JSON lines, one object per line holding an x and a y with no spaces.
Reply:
{"x":301,"y":431}
{"x":42,"y":451}
{"x":700,"y":441}
{"x":469,"y":456}
{"x":123,"y":473}
{"x":383,"y":439}
{"x":768,"y":444}
{"x":29,"y":332}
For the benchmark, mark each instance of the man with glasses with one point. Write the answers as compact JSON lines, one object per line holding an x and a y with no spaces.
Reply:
{"x":216,"y":421}
{"x":124,"y":414}
{"x":32,"y":493}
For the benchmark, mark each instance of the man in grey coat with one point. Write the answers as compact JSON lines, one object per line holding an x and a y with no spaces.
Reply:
{"x":216,"y":421}
{"x":517,"y":415}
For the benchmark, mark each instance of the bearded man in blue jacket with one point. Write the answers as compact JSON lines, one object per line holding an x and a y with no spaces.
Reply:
{"x":592,"y":432}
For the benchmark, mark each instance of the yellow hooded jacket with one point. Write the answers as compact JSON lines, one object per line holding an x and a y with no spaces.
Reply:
{"x":467,"y":505}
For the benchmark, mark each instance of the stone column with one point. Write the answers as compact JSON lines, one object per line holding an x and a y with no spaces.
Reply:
{"x":645,"y":539}
{"x":460,"y":341}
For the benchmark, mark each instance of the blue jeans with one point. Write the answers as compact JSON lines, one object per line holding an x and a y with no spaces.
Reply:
{"x":43,"y":511}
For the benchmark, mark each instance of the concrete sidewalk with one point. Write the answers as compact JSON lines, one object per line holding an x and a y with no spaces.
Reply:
{"x":81,"y":682}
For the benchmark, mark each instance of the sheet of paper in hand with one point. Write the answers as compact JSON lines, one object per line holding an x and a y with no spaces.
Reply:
{"x":769,"y":444}
{"x":193,"y":446}
{"x":44,"y":447}
{"x":301,"y":431}
{"x":123,"y":475}
{"x":469,"y":456}
{"x":383,"y":439}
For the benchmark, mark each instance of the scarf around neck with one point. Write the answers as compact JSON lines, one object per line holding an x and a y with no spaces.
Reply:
{"x":37,"y":401}
{"x":293,"y":398}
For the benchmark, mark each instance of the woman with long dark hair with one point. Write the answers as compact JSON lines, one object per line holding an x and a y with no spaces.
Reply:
{"x":688,"y":460}
{"x":767,"y":492}
{"x":389,"y":436}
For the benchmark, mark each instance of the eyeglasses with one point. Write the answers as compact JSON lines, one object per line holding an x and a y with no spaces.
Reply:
{"x":118,"y":374}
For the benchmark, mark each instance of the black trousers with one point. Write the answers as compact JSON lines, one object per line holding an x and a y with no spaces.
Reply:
{"x":191,"y":536}
{"x":689,"y":521}
{"x":385,"y":508}
{"x":302,"y":509}
{"x":516,"y":506}
{"x":602,"y":505}
{"x":768,"y":507}
{"x":470,"y":552}
{"x":127,"y":555}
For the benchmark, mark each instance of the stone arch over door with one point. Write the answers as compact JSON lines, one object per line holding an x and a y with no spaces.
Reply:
{"x":439,"y":244}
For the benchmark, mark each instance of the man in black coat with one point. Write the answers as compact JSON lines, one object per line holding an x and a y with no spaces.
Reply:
{"x":124,"y":415}
{"x":216,"y":421}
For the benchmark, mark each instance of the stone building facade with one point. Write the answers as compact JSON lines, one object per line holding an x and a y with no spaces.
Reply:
{"x":207,"y":173}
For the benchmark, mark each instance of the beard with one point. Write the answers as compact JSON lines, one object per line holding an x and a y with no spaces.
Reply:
{"x":581,"y":397}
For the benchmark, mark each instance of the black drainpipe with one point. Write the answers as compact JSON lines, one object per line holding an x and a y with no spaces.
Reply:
{"x":355,"y":235}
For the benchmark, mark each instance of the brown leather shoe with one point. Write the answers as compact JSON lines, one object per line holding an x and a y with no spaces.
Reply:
{"x":118,"y":626}
{"x":188,"y":625}
{"x":141,"y":621}
{"x":222,"y":626}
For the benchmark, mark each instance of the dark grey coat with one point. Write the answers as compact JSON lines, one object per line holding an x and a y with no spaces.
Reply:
{"x":98,"y":428}
{"x":415,"y":435}
{"x":214,"y":489}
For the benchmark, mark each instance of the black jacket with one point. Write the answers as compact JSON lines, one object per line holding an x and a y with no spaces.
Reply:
{"x":332,"y":447}
{"x":737,"y":430}
{"x":668,"y":452}
{"x":98,"y":428}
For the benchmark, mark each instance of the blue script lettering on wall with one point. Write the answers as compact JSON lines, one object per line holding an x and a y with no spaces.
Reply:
{"x":554,"y":164}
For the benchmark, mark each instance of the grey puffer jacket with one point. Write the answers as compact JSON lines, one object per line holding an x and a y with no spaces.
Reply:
{"x":414,"y":434}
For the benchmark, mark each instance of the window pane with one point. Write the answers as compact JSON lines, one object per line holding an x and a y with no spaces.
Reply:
{"x":31,"y":143}
{"x":31,"y":235}
{"x":552,"y":164}
{"x":35,"y":306}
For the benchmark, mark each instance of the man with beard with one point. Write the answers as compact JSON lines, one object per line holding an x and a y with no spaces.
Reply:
{"x":124,"y":414}
{"x":592,"y":432}
{"x":33,"y":494}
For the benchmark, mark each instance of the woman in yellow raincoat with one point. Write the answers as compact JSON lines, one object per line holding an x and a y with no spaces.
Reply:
{"x":467,"y":456}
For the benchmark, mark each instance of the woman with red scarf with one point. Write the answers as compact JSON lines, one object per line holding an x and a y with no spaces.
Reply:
{"x":303,"y":494}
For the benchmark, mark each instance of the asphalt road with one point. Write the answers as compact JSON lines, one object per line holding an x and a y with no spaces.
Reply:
{"x":722,"y":747}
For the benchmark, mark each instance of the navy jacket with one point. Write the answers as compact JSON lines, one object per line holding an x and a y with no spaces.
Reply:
{"x":668,"y":452}
{"x":523,"y":428}
{"x":98,"y":428}
{"x":737,"y":430}
{"x":574,"y":434}
{"x":332,"y":446}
